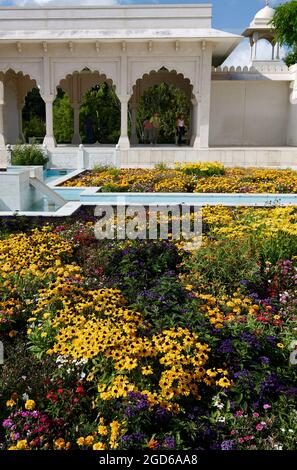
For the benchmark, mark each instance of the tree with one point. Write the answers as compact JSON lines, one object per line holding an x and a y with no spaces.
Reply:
{"x":101,"y":108}
{"x":285,"y":24}
{"x":63,"y":118}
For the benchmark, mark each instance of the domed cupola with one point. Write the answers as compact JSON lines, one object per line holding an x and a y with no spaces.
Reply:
{"x":261,"y":28}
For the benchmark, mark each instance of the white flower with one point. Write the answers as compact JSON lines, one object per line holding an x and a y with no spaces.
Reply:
{"x":219,"y":405}
{"x":25,"y":396}
{"x":278,"y":447}
{"x":221,"y":419}
{"x":290,"y":430}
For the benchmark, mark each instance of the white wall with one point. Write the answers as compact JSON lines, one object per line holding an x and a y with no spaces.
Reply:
{"x":292,"y":125}
{"x":249,"y":113}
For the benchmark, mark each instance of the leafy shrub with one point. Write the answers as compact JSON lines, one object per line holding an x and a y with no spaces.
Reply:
{"x":28,"y":155}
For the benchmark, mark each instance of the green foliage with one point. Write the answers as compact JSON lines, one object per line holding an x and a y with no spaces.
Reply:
{"x":201,"y":169}
{"x":102,"y":107}
{"x":34,"y":115}
{"x":161,"y":166}
{"x":28,"y":155}
{"x":219,"y":267}
{"x":285,"y":23}
{"x":63,"y":118}
{"x":169,"y":102}
{"x":35,"y":127}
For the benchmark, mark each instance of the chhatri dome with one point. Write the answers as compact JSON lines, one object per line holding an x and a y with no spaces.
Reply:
{"x":261,"y":28}
{"x":264,"y":16}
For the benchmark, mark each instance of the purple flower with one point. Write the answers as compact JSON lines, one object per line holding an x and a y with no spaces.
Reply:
{"x":241,"y":373}
{"x":7,"y":423}
{"x":129,"y":412}
{"x":162,"y":414}
{"x":225,"y":347}
{"x":251,"y":340}
{"x":271,"y":338}
{"x":265,"y":360}
{"x":134,"y":437}
{"x":142,"y":405}
{"x":227,"y":445}
{"x":169,"y":442}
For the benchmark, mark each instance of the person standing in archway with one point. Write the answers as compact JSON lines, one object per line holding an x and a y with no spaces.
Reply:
{"x":147,"y":131}
{"x":156,"y":123}
{"x":180,"y":129}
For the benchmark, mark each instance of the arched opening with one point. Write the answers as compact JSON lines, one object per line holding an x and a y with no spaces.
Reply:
{"x":89,"y":108}
{"x":17,"y":92}
{"x":33,"y":118}
{"x":168,"y":94}
{"x":265,"y":49}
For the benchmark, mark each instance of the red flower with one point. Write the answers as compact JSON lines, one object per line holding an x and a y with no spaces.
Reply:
{"x":52,"y":396}
{"x":80,"y":390}
{"x":60,"y":390}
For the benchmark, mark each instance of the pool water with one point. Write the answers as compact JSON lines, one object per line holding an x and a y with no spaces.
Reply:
{"x":43,"y":206}
{"x":51,"y":175}
{"x":91,"y":196}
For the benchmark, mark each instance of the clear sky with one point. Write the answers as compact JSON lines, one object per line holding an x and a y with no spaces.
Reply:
{"x":231,"y":15}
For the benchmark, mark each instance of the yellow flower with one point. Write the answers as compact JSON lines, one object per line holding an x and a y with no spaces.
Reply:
{"x":60,"y":443}
{"x":147,"y":370}
{"x":22,"y":445}
{"x":89,"y":440}
{"x":224,"y":382}
{"x":189,"y":287}
{"x":12,"y":333}
{"x":10,"y":403}
{"x":102,"y":430}
{"x":280,"y":345}
{"x":13,"y":448}
{"x":80,"y":441}
{"x":99,"y":446}
{"x":30,"y":405}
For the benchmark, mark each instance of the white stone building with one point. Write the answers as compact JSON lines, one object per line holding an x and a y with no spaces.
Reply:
{"x":242,"y":117}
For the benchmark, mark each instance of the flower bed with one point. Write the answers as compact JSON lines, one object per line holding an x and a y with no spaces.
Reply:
{"x":199,"y":178}
{"x":129,"y":344}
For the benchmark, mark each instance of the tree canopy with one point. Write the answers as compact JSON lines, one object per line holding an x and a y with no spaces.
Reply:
{"x":169,"y":102}
{"x":285,"y":23}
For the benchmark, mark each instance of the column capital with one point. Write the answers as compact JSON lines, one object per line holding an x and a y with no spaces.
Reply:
{"x":124,"y":98}
{"x":75,"y":105}
{"x":48,"y":98}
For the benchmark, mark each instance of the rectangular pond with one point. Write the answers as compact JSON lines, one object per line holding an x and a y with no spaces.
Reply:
{"x":93,"y":196}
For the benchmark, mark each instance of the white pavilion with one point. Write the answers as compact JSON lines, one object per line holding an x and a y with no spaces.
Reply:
{"x":239,"y":116}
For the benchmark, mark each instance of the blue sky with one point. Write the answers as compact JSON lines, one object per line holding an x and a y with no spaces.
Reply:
{"x":231,"y":15}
